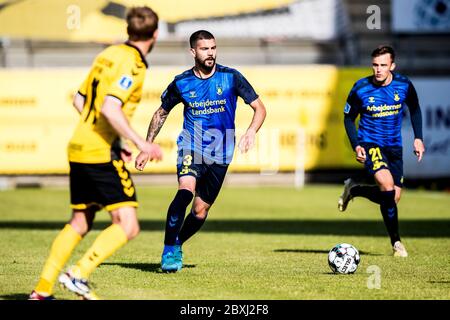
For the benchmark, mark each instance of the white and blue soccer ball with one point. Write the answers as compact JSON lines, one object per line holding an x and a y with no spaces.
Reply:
{"x":343,"y":258}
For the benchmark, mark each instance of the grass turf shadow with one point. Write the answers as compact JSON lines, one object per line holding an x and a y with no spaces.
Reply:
{"x":15,"y":296}
{"x":425,"y":228}
{"x":146,"y":267}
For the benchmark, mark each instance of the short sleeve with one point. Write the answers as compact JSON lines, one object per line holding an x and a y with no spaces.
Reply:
{"x":125,"y":80}
{"x":244,"y":88}
{"x":170,"y":97}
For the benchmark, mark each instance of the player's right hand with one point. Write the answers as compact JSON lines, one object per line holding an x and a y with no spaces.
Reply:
{"x":141,"y":161}
{"x":149,"y":151}
{"x":360,"y":154}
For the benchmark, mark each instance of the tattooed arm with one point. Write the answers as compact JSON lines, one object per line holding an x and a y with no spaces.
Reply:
{"x":158,"y":119}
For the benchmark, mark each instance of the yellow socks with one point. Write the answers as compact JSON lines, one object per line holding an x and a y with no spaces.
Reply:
{"x":60,"y":251}
{"x":107,"y":242}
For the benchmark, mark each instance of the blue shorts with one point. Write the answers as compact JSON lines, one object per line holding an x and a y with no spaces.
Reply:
{"x":390,"y":158}
{"x":209,"y":177}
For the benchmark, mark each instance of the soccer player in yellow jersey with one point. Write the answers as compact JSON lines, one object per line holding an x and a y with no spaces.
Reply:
{"x":98,"y":177}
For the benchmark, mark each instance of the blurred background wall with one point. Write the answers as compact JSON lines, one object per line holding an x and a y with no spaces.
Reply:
{"x":302,"y":57}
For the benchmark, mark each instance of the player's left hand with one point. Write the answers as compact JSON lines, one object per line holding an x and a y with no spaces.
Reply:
{"x":247,"y":141}
{"x":419,"y":149}
{"x":125,"y":152}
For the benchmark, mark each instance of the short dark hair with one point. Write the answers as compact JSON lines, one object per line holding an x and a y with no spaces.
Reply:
{"x":380,"y":50}
{"x":142,"y":23}
{"x":199,"y":35}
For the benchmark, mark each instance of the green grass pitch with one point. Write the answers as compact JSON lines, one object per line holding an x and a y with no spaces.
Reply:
{"x":258,"y":243}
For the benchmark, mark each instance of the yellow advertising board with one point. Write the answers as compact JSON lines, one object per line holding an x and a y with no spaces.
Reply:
{"x":103,"y":21}
{"x":303,"y":129}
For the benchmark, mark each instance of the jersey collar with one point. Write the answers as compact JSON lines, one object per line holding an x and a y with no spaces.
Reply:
{"x":139,"y":51}
{"x":193,"y":72}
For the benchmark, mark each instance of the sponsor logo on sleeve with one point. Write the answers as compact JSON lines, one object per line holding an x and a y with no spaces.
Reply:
{"x":347,"y":108}
{"x":125,"y":82}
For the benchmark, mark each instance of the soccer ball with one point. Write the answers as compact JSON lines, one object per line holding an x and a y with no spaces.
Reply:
{"x":343,"y":258}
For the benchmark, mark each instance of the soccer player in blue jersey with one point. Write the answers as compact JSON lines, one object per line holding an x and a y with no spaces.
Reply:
{"x":379,"y":100}
{"x":209,"y":94}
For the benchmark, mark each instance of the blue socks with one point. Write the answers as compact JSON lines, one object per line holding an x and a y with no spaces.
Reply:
{"x":389,"y":212}
{"x":372,"y":193}
{"x":175,"y":215}
{"x":191,"y":225}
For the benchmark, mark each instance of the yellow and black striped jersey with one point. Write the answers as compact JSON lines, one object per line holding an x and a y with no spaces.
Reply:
{"x":118,"y":71}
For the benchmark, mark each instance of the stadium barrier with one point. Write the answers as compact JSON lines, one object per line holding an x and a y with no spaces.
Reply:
{"x":37,"y":119}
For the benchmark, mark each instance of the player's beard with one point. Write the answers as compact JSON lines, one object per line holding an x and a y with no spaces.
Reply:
{"x":204,"y":66}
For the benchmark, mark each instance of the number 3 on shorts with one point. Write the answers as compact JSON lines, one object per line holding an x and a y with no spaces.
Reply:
{"x":187,"y":161}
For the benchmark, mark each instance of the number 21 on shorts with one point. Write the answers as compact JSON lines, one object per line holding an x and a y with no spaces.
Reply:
{"x":376,"y":158}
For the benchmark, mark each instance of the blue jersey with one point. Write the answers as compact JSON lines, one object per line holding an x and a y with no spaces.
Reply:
{"x":209,"y":111}
{"x":381,"y":110}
